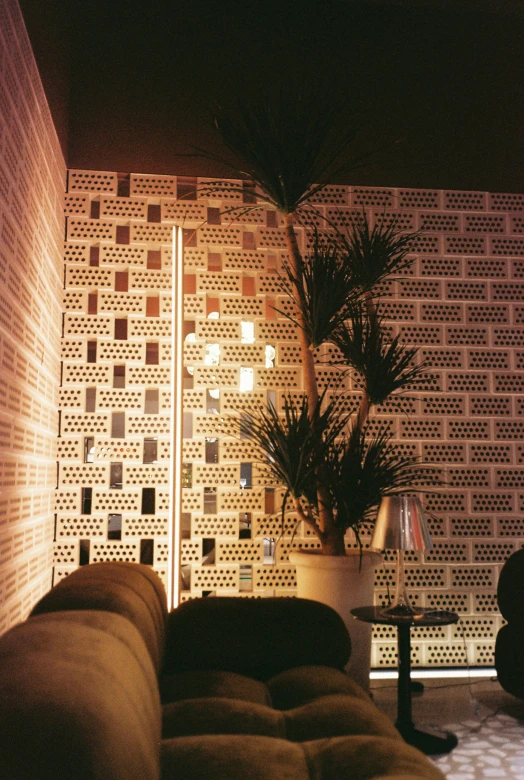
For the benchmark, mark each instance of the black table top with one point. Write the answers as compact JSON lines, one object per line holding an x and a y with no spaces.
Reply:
{"x":424,"y":617}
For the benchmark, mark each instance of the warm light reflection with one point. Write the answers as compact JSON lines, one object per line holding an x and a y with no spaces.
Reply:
{"x":190,"y":339}
{"x":270,"y":356}
{"x":247,"y":378}
{"x":247,"y":330}
{"x":212,"y":356}
{"x":175,"y":484}
{"x":435,"y":673}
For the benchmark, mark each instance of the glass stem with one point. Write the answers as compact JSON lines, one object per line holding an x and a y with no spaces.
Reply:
{"x":401,"y":596}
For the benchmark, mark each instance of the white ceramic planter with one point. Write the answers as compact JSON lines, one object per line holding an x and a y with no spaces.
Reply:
{"x":342,"y":582}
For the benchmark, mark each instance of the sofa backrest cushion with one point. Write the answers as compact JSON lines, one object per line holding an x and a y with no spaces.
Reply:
{"x":255,"y":637}
{"x":78,"y":699}
{"x":132,"y":590}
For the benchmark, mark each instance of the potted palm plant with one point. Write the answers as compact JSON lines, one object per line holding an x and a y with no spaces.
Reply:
{"x":333,"y":470}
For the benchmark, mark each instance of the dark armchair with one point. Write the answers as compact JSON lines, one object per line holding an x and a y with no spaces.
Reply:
{"x":509,"y":647}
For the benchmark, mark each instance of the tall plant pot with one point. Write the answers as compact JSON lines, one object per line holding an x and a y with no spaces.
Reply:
{"x":342,"y":582}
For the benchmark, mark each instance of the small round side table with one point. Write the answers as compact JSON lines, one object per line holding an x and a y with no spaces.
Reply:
{"x":428,"y":741}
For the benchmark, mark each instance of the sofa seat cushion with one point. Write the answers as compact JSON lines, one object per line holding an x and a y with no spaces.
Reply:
{"x":211,"y":683}
{"x":233,"y":757}
{"x":214,"y":715}
{"x":328,"y":716}
{"x":302,"y":684}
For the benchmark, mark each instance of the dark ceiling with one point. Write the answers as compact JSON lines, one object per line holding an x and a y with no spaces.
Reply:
{"x":439,"y":84}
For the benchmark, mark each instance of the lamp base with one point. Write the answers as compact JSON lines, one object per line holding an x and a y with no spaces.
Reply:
{"x":402,"y":610}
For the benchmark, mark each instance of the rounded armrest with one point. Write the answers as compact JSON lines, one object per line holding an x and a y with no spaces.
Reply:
{"x":132,"y":590}
{"x":78,"y":699}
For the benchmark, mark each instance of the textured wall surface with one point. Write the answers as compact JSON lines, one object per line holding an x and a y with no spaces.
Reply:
{"x":462,"y":303}
{"x":32,"y":175}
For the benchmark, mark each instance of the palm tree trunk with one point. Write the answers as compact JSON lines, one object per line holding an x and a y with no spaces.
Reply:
{"x":331,"y":537}
{"x":365,"y":404}
{"x":306,"y":351}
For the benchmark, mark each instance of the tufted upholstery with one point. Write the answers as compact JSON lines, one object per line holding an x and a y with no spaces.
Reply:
{"x":133,"y":591}
{"x":81,"y":681}
{"x":78,"y":700}
{"x":327,"y":716}
{"x":263,"y":758}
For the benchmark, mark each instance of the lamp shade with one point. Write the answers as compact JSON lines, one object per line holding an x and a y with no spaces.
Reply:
{"x":401,"y":525}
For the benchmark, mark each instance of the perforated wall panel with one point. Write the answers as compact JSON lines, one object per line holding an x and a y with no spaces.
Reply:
{"x":461,"y":302}
{"x":32,"y":175}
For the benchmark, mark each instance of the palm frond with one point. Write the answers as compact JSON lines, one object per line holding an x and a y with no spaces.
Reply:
{"x":376,"y":253}
{"x":364,"y":470}
{"x":293,"y":445}
{"x":287,"y":144}
{"x":384,"y":364}
{"x":323,"y":290}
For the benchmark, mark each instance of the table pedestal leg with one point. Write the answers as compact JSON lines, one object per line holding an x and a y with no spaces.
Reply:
{"x":404,"y":717}
{"x":430,"y":741}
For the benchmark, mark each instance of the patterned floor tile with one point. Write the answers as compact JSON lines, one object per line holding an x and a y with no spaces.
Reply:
{"x":489,"y":748}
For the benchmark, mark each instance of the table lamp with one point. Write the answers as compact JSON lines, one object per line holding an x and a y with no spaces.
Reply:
{"x":401,"y":526}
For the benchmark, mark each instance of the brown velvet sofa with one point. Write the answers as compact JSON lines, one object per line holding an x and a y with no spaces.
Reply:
{"x":100,"y":683}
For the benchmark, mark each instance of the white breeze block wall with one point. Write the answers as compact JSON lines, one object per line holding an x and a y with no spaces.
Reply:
{"x":462,"y":303}
{"x":32,"y":176}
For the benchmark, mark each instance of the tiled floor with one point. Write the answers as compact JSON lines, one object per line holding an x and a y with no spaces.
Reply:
{"x":488,"y":722}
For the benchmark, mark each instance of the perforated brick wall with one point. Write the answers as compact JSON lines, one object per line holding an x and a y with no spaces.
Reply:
{"x":32,"y":176}
{"x":461,"y":302}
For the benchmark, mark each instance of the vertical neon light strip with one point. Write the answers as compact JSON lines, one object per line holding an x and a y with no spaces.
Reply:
{"x":175,"y":482}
